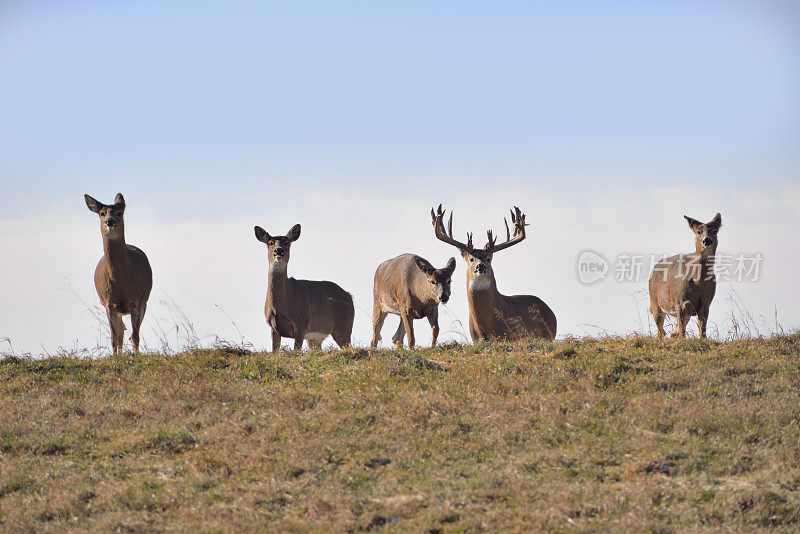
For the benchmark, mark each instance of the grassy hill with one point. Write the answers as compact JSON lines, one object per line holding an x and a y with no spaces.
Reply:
{"x":585,"y":434}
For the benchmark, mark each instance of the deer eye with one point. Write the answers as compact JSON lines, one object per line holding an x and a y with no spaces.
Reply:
{"x":103,"y":213}
{"x":270,"y":243}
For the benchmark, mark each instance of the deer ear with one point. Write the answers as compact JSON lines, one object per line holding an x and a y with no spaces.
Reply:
{"x":119,"y":201}
{"x":294,"y":233}
{"x":716,"y":222}
{"x":261,"y":234}
{"x":92,"y":204}
{"x":423,"y":265}
{"x":692,"y":222}
{"x":450,"y":267}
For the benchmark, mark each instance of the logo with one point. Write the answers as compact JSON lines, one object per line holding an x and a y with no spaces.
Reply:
{"x":591,"y":266}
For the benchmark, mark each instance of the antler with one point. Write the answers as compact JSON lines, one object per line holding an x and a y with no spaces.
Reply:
{"x":447,"y":237}
{"x":491,"y":240}
{"x":518,"y":220}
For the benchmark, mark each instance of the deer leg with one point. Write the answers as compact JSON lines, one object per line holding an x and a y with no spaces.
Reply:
{"x":276,"y":340}
{"x":397,"y":338}
{"x":688,"y":311}
{"x":342,"y":332}
{"x":298,"y":340}
{"x":683,"y":314}
{"x":680,"y":312}
{"x":314,"y":343}
{"x":676,"y":332}
{"x":474,"y":331}
{"x":378,"y":317}
{"x":433,"y":319}
{"x":686,"y":317}
{"x":408,"y":324}
{"x":702,"y":319}
{"x":117,"y":330}
{"x":136,"y":321}
{"x":658,"y":317}
{"x":341,"y":339}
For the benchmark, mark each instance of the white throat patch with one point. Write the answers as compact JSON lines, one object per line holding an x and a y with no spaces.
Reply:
{"x":480,"y":284}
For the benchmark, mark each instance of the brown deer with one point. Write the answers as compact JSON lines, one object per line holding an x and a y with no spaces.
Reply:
{"x":409,"y":286}
{"x":123,"y":277}
{"x":493,"y":315}
{"x":684,"y":285}
{"x":302,"y":309}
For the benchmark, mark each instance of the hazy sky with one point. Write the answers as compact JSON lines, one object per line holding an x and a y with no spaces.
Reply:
{"x":605,"y":122}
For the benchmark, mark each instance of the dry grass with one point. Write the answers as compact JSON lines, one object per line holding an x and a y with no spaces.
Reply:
{"x":589,"y":434}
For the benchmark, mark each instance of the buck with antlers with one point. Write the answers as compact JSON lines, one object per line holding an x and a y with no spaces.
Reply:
{"x":123,"y":277}
{"x":684,"y":285}
{"x":302,"y":309}
{"x":493,"y":315}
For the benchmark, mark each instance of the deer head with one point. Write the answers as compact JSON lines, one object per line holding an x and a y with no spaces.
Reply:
{"x":438,"y":279}
{"x":705,"y":235}
{"x":112,"y":224}
{"x":479,"y":260}
{"x":278,"y":246}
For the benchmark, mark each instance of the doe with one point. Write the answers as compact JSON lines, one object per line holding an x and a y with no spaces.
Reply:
{"x":684,"y":285}
{"x":123,"y":277}
{"x":409,"y":286}
{"x":302,"y":309}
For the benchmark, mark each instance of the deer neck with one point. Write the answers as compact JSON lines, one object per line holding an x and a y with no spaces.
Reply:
{"x":482,"y":300}
{"x":706,"y":256}
{"x":705,"y":252}
{"x":116,"y":252}
{"x":277,"y":282}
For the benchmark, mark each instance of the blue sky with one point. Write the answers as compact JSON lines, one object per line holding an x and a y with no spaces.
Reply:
{"x":370,"y":84}
{"x":210,"y":111}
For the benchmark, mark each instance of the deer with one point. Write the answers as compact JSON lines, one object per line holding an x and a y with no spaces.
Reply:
{"x":123,"y":277}
{"x":492,"y":315}
{"x":683,"y":285}
{"x":308,"y":310}
{"x":409,"y":286}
